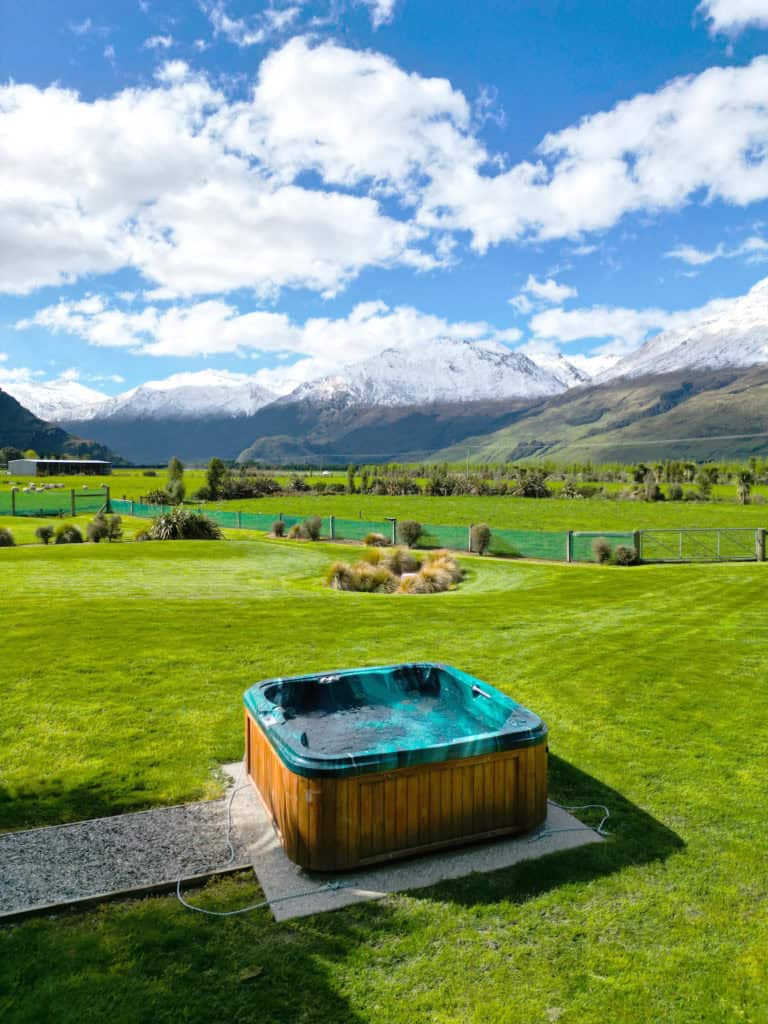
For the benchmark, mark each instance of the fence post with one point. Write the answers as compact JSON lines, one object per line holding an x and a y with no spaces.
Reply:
{"x":391,"y":519}
{"x":107,"y":495}
{"x":13,"y":500}
{"x":760,"y":544}
{"x":569,"y":546}
{"x":131,"y":506}
{"x":332,"y":527}
{"x":636,"y":544}
{"x":469,"y":539}
{"x":72,"y":499}
{"x":239,"y":520}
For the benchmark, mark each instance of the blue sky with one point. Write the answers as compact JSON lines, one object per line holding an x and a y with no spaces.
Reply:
{"x":279,"y":189}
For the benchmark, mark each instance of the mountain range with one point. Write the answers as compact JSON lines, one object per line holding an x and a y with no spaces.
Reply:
{"x":19,"y":428}
{"x":441,"y":396}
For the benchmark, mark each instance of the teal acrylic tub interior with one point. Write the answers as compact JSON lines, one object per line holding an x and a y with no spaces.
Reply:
{"x":393,"y":716}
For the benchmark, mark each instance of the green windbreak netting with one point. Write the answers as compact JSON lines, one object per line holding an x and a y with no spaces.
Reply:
{"x":582,"y":544}
{"x":358,"y":529}
{"x":530,"y":544}
{"x":57,"y":502}
{"x":550,"y":546}
{"x":444,"y":537}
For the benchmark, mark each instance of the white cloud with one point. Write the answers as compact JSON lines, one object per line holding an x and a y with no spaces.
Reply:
{"x":382,"y":11}
{"x":754,"y":249}
{"x":201,"y":193}
{"x":621,"y":329}
{"x":733,"y":16}
{"x":706,"y":133}
{"x":353,"y":116}
{"x":251,"y":32}
{"x":158,"y":43}
{"x":546,"y":292}
{"x":320,"y":345}
{"x":145,"y":179}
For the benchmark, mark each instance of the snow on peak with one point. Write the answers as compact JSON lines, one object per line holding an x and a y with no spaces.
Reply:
{"x":735,"y":334}
{"x":187,"y":396}
{"x":445,"y":370}
{"x":56,"y":399}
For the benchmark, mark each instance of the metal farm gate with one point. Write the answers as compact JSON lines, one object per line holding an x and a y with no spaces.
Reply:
{"x":703,"y":545}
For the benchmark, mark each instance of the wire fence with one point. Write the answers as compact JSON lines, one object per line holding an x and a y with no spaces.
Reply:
{"x":554,"y":546}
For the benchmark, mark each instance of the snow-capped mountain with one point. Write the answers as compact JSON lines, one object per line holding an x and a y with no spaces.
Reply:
{"x":437,"y":372}
{"x":736,"y":335}
{"x":183,"y":396}
{"x":56,"y":400}
{"x":569,"y":375}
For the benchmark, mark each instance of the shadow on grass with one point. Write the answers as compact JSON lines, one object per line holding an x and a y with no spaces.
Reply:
{"x":635,"y":838}
{"x":53,"y":802}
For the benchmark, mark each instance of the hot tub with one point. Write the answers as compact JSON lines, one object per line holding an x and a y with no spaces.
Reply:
{"x":366,"y":765}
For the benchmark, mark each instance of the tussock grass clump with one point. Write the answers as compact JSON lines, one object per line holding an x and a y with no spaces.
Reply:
{"x":6,"y":538}
{"x":375,"y":540}
{"x":341,"y":576}
{"x":373,"y":556}
{"x":400,"y":560}
{"x":278,"y":528}
{"x":295,"y":531}
{"x":44,"y":534}
{"x":396,"y":571}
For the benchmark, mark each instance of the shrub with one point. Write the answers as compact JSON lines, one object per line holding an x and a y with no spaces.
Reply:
{"x":114,"y":528}
{"x":44,"y":534}
{"x":96,"y":529}
{"x":409,"y":532}
{"x":181,"y":524}
{"x":158,"y":497}
{"x":278,"y":528}
{"x":400,"y":560}
{"x":624,"y":555}
{"x":144,"y":534}
{"x":149,"y":472}
{"x":375,"y":540}
{"x":601,"y":549}
{"x":6,"y":538}
{"x":480,"y":538}
{"x":68,"y":533}
{"x":311,"y":527}
{"x":675,"y":492}
{"x":295,"y":531}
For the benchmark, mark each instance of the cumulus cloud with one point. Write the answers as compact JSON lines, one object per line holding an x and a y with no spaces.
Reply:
{"x":204,"y":194}
{"x":146,"y":179}
{"x":733,"y":16}
{"x":547,"y":292}
{"x":318,"y":347}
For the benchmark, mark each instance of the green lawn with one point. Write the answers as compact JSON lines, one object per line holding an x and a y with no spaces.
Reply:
{"x":124,"y":669}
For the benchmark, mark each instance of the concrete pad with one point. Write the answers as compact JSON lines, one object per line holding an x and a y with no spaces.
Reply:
{"x":293,"y":892}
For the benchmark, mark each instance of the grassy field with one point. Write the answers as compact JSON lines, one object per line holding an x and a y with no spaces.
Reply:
{"x":652,"y":683}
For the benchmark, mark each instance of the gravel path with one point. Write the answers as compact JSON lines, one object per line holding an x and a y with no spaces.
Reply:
{"x":46,"y":866}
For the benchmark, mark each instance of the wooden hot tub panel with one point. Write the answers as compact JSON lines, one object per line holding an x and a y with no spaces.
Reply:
{"x":331,"y":824}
